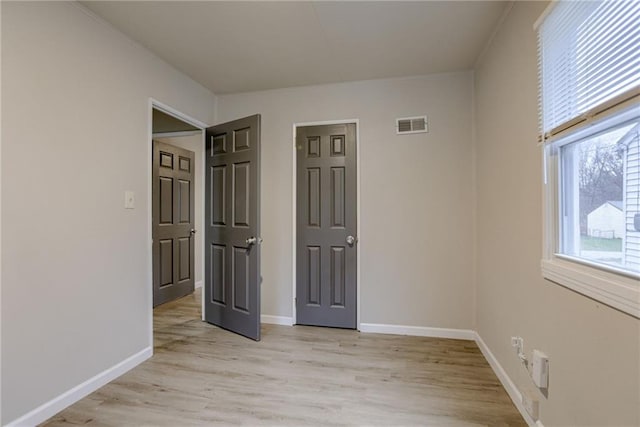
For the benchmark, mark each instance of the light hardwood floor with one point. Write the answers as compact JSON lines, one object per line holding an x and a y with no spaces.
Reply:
{"x":201,"y":375}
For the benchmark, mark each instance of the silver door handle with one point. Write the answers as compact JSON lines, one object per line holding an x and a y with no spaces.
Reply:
{"x":351,"y":240}
{"x":194,"y":231}
{"x":253,"y":240}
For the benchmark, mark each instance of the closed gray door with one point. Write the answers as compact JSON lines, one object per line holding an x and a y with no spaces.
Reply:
{"x":326,"y":226}
{"x":173,"y":222}
{"x":232,"y":235}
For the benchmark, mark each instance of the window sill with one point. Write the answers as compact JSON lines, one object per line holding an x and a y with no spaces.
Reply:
{"x":615,"y":290}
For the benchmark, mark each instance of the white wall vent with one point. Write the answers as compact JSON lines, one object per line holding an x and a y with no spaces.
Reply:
{"x":407,"y":125}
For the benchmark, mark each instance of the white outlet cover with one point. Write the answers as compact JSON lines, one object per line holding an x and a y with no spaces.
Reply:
{"x":531,"y":405}
{"x":129,"y":200}
{"x":540,"y":369}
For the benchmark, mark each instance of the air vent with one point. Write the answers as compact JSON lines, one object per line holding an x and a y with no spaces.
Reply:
{"x":407,"y":125}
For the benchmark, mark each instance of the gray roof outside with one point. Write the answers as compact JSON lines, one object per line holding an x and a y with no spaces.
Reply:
{"x":616,"y":203}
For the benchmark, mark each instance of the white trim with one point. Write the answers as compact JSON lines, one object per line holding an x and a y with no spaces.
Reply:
{"x":203,"y":242}
{"x":150,"y":222}
{"x":544,"y":14}
{"x":508,"y":385}
{"x":615,"y":287}
{"x":294,"y":215}
{"x":0,"y":226}
{"x":600,"y":266}
{"x":461,"y":334}
{"x":358,"y":226}
{"x":418,"y":331}
{"x":358,"y":209}
{"x":57,"y":404}
{"x":154,"y":103}
{"x":600,"y":122}
{"x":176,"y":134}
{"x":198,"y":284}
{"x":178,"y":114}
{"x":612,"y":289}
{"x":276,"y":320}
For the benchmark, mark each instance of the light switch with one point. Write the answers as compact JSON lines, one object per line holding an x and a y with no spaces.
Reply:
{"x":129,"y":200}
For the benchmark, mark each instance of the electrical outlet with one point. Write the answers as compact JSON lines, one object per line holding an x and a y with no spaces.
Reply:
{"x":540,"y":369}
{"x":531,"y":405}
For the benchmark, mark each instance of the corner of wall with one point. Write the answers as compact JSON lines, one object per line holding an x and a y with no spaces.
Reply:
{"x":487,"y":46}
{"x":474,"y":205}
{"x":510,"y":387}
{"x":0,"y":215}
{"x":215,"y":109}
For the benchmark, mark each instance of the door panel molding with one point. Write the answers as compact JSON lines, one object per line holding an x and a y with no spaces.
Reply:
{"x":173,"y":214}
{"x":294,"y":188}
{"x":231,"y":291}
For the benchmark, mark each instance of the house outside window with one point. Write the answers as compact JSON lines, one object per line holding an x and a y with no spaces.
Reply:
{"x":599,"y":186}
{"x":590,"y":133}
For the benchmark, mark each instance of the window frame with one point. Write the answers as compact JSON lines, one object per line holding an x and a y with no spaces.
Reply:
{"x":612,"y":286}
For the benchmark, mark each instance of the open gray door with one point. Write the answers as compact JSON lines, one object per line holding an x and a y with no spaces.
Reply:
{"x":326,"y":266}
{"x":232,"y":226}
{"x":173,"y":222}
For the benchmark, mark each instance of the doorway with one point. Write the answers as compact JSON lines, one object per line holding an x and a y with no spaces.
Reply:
{"x":226,"y":211}
{"x":169,"y":126}
{"x":326,"y":230}
{"x":176,"y":207}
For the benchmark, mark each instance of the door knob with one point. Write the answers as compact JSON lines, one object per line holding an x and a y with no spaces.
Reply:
{"x":193,"y":231}
{"x":351,"y":240}
{"x":253,"y":240}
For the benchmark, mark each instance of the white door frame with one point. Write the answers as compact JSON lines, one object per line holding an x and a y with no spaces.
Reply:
{"x":155,"y":104}
{"x":295,"y":206}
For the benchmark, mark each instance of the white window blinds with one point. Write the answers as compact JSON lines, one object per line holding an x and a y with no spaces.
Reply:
{"x":589,"y":60}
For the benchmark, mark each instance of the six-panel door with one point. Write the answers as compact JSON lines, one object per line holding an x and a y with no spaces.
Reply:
{"x":326,"y":223}
{"x":232,"y":205}
{"x":173,"y":222}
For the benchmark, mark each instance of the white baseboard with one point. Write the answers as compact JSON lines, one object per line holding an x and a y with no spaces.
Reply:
{"x":418,"y":331}
{"x":198,"y":284}
{"x":276,"y":320}
{"x":508,"y":385}
{"x":462,"y":334}
{"x":52,"y":407}
{"x":49,"y":409}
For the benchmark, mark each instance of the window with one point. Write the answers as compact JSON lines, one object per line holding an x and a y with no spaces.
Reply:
{"x":590,"y":131}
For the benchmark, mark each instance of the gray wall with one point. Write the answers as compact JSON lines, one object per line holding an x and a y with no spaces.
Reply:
{"x":75,"y":264}
{"x":594,"y":350}
{"x":416,"y":193}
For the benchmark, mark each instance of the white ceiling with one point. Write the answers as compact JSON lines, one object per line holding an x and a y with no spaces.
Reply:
{"x":246,"y":46}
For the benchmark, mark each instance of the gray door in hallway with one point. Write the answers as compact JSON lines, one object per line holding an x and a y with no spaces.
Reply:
{"x":232,"y":226}
{"x":326,"y":218}
{"x":173,"y":222}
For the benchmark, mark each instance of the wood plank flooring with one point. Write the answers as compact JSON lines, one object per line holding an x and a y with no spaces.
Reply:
{"x":201,"y":375}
